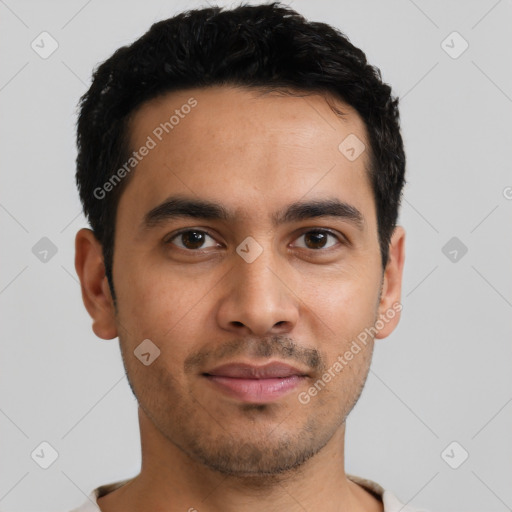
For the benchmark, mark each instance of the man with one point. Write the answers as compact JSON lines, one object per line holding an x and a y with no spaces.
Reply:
{"x":242,"y":172}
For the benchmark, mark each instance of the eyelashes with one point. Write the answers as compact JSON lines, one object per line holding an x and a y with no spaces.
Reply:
{"x":195,"y":243}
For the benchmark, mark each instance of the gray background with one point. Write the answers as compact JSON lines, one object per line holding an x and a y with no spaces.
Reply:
{"x":444,"y":375}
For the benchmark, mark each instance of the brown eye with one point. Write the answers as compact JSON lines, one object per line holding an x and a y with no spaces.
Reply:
{"x":191,"y":239}
{"x":317,"y":239}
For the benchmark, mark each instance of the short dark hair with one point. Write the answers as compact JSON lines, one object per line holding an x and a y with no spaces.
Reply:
{"x":263,"y":46}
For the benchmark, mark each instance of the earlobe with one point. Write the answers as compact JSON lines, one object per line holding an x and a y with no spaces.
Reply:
{"x":96,"y":295}
{"x":390,"y":302}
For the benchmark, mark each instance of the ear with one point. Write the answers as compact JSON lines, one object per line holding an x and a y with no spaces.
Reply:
{"x":96,"y":295}
{"x":390,"y":305}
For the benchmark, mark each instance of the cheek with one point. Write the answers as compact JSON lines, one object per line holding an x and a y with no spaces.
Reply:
{"x":344,"y":301}
{"x":150,"y":295}
{"x":165,"y":308}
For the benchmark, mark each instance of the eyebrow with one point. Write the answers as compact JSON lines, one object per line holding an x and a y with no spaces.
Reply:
{"x":187,"y":207}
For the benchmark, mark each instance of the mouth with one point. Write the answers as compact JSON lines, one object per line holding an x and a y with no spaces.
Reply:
{"x":255,"y":384}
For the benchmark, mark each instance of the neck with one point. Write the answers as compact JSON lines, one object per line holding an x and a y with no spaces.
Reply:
{"x":171,"y":480}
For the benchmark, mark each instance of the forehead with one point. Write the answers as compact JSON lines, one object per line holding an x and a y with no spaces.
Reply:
{"x":247,"y":147}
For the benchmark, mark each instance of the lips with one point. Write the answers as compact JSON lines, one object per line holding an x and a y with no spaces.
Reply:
{"x":255,"y":384}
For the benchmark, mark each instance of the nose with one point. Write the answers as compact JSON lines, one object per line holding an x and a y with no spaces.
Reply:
{"x":258,"y":298}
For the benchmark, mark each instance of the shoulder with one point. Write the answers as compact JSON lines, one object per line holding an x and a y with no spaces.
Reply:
{"x":103,"y":490}
{"x":393,"y":504}
{"x":91,"y":505}
{"x":390,"y":502}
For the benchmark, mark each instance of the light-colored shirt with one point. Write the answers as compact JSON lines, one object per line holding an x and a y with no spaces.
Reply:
{"x":390,"y":502}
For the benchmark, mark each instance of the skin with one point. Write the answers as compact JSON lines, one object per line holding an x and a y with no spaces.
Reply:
{"x":255,"y":154}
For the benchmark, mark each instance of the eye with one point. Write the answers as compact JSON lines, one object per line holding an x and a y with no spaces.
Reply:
{"x":194,"y":239}
{"x":191,"y":239}
{"x":317,"y":239}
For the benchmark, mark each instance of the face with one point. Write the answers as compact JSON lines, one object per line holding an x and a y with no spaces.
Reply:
{"x":257,"y":277}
